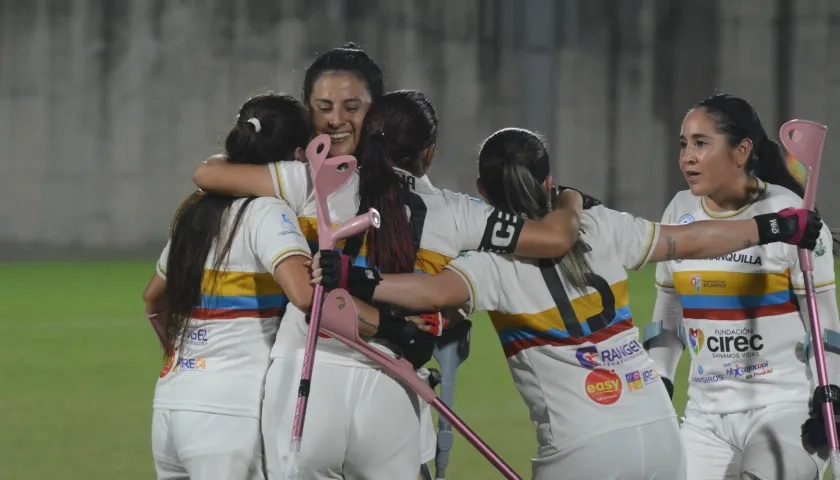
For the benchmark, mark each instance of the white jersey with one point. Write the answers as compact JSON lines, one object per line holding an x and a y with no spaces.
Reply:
{"x":575,"y":356}
{"x":223,"y":363}
{"x":443,"y":223}
{"x":742,"y":321}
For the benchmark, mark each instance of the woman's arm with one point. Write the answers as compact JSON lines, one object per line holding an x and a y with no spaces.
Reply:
{"x":713,"y":238}
{"x":217,"y":175}
{"x":553,"y":235}
{"x":155,"y":295}
{"x":423,"y":293}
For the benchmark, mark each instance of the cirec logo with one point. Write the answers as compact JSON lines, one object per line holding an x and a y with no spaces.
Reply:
{"x":696,"y":339}
{"x":603,"y":387}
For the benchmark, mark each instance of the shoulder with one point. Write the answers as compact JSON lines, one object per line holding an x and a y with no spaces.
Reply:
{"x":777,"y":197}
{"x":681,"y":208}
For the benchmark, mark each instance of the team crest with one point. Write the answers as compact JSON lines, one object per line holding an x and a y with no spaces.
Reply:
{"x":696,"y":282}
{"x":819,"y":250}
{"x":685,"y":219}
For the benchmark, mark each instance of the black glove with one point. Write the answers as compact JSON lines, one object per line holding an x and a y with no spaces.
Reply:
{"x":417,"y":346}
{"x":669,"y":386}
{"x":794,"y":226}
{"x":588,"y":200}
{"x":359,"y":281}
{"x":813,"y":430}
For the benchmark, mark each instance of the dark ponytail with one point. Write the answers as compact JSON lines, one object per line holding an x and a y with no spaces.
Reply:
{"x":736,"y":119}
{"x":513,"y":165}
{"x":397,"y":129}
{"x":269,"y":128}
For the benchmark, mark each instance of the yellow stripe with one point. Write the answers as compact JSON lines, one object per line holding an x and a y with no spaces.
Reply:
{"x":649,"y":246}
{"x":427,"y":260}
{"x":287,"y":252}
{"x":731,"y":283}
{"x":280,"y":181}
{"x":585,"y":307}
{"x":802,"y":287}
{"x":239,"y":284}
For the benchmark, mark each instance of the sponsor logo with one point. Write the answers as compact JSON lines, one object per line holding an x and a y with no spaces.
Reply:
{"x":290,"y":227}
{"x":634,"y":381}
{"x":196,"y":363}
{"x":727,"y":342}
{"x":707,"y":379}
{"x":198,"y":337}
{"x":603,"y":387}
{"x":695,"y":339}
{"x":735,"y":258}
{"x":685,"y":219}
{"x":819,"y":250}
{"x":650,"y":376}
{"x":700,"y":370}
{"x":590,"y":357}
{"x":747,"y":371}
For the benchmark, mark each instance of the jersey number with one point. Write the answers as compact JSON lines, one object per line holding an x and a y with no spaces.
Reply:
{"x":571,"y":322}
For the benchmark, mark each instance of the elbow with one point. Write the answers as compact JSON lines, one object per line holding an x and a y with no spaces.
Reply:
{"x":301,"y":300}
{"x":200,"y":174}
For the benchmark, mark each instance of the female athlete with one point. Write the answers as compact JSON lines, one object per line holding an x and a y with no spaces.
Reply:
{"x":744,"y":314}
{"x":218,"y":278}
{"x":565,"y":325}
{"x":365,"y":426}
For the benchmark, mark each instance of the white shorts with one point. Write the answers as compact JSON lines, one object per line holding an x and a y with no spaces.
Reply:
{"x":763,"y":444}
{"x":190,"y":445}
{"x":650,"y":452}
{"x":360,"y":423}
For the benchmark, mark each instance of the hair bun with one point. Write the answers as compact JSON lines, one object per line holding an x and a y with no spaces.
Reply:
{"x":351,"y":45}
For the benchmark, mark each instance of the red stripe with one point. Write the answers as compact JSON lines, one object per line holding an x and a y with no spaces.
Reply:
{"x":231,"y":314}
{"x":739,"y":313}
{"x":517,"y":346}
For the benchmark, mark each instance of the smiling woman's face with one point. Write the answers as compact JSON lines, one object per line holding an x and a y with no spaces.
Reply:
{"x":338,"y":103}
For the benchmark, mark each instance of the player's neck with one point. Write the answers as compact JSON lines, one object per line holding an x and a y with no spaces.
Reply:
{"x":732,"y":199}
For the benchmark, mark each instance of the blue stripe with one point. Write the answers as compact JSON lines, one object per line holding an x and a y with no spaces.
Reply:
{"x":362,"y":261}
{"x":524,"y":333}
{"x":244,"y":303}
{"x":735,"y":301}
{"x":621,"y":314}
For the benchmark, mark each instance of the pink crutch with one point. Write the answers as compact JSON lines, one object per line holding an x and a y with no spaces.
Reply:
{"x":804,"y":140}
{"x":328,"y":176}
{"x":339,"y":321}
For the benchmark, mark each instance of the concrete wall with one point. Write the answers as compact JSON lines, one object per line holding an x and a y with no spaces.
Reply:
{"x":106,"y":106}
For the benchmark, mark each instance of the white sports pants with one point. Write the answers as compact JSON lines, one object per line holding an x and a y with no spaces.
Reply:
{"x":763,"y":444}
{"x":647,"y":452}
{"x":206,"y":446}
{"x":360,"y":423}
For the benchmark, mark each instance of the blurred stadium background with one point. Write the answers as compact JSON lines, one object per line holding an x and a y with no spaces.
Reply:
{"x":106,"y":106}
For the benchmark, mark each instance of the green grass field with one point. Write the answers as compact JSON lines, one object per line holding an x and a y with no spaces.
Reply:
{"x":78,"y":365}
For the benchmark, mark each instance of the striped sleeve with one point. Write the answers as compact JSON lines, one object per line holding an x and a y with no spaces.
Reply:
{"x":160,"y":268}
{"x":274,"y":232}
{"x":632,"y":238}
{"x":480,"y":273}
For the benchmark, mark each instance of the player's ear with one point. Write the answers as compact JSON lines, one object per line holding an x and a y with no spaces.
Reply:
{"x":300,"y":155}
{"x":479,"y":185}
{"x":548,"y":183}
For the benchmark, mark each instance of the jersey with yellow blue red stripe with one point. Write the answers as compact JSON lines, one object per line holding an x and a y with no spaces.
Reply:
{"x":740,"y":311}
{"x":443,"y":223}
{"x":221,"y":367}
{"x":574,"y":353}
